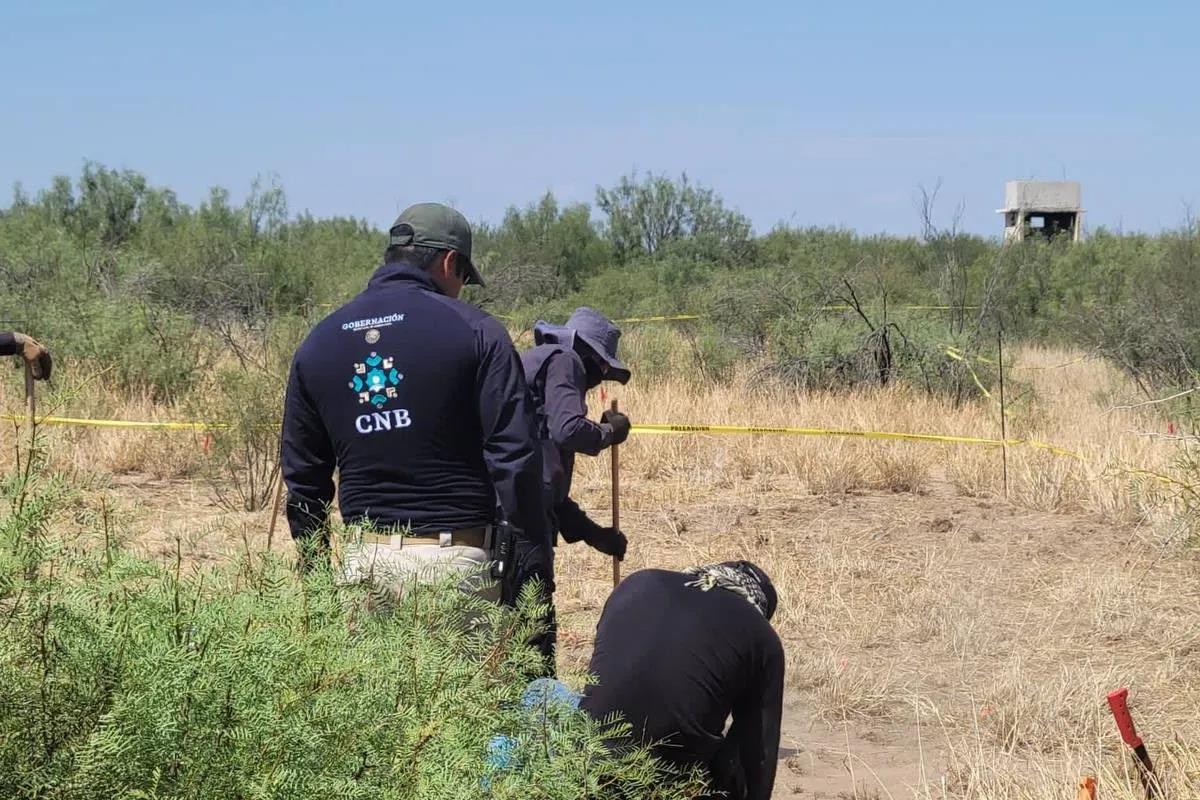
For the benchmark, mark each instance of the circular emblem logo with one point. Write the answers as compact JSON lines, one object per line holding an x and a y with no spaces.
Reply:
{"x":375,"y":380}
{"x":373,"y":336}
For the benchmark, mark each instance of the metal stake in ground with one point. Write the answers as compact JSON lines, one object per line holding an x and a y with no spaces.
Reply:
{"x":616,"y":502}
{"x":1118,"y":702}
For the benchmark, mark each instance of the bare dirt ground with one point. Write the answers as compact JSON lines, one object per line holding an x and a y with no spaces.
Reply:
{"x":922,"y":626}
{"x":934,"y":640}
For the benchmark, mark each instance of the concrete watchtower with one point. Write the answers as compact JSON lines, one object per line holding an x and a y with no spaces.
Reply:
{"x":1042,"y":208}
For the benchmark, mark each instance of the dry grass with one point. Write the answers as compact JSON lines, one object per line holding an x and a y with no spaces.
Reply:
{"x":88,"y":452}
{"x":1065,"y":406}
{"x":966,"y":640}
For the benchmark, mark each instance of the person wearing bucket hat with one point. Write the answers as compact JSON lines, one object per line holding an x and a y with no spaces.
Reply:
{"x":418,"y":402}
{"x":565,"y":362}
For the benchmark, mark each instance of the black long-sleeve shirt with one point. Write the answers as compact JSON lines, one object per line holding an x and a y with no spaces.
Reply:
{"x":419,"y":402}
{"x":676,"y":662}
{"x":8,"y":344}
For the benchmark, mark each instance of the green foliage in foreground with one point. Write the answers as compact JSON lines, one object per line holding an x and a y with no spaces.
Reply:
{"x":120,"y":677}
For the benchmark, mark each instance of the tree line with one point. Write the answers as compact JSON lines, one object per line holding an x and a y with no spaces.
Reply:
{"x":120,"y":272}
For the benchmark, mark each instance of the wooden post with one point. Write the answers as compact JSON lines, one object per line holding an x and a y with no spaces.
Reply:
{"x":275,"y":510}
{"x":30,"y":410}
{"x":30,"y":398}
{"x":1003,"y":409}
{"x":616,"y":502}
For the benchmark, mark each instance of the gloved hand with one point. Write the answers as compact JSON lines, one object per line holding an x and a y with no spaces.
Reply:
{"x":576,"y":526}
{"x":35,"y":355}
{"x":619,"y":424}
{"x":609,"y":541}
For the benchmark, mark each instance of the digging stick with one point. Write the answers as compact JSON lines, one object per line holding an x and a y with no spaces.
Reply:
{"x":274,"y":511}
{"x":30,"y":398}
{"x":616,"y":502}
{"x":1003,"y":410}
{"x":30,"y":409}
{"x":1118,"y":702}
{"x":31,"y":412}
{"x":275,"y":500}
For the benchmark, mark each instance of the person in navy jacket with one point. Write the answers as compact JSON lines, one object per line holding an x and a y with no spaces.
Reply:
{"x":418,"y":401}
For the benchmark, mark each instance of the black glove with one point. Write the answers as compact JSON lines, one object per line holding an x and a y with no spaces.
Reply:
{"x":619,"y":424}
{"x":576,"y":526}
{"x":609,"y":541}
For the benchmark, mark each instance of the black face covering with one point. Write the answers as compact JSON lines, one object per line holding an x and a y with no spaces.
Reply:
{"x":594,"y":375}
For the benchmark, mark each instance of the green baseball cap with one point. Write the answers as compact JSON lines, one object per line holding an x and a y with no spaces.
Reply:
{"x":436,"y":225}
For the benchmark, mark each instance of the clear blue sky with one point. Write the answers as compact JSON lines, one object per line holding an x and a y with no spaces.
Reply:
{"x":811,"y":113}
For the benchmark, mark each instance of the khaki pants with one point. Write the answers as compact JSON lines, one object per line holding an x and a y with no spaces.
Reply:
{"x":391,"y":562}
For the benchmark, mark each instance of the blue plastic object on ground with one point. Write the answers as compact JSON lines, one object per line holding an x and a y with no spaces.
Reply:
{"x":502,"y":753}
{"x":543,"y":695}
{"x":549,"y":693}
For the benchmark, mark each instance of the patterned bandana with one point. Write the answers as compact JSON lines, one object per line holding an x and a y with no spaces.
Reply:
{"x":741,"y":578}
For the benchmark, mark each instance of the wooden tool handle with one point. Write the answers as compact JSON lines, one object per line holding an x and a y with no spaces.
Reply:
{"x":616,"y":502}
{"x":30,"y":396}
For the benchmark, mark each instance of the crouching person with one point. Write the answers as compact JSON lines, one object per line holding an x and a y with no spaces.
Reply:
{"x":678,"y":653}
{"x":419,"y":403}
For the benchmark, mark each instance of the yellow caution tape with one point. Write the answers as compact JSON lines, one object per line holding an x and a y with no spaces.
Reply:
{"x":664,"y":428}
{"x":858,"y":434}
{"x":639,"y":428}
{"x":1036,"y":444}
{"x":906,"y":308}
{"x":667,"y":318}
{"x":957,"y":355}
{"x":1164,"y":479}
{"x":117,"y":423}
{"x":671,"y":318}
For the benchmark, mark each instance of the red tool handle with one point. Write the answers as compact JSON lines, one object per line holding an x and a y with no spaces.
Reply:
{"x":1118,"y":702}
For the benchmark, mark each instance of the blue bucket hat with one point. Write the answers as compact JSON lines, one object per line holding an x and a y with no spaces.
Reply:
{"x":596,"y":331}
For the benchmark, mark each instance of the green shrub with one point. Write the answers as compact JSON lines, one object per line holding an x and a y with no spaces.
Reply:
{"x":142,"y":348}
{"x":120,"y":677}
{"x":109,"y":267}
{"x":242,"y":406}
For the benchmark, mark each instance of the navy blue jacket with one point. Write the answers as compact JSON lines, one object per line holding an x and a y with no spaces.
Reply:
{"x":558,"y":381}
{"x":420,"y":403}
{"x":8,"y":344}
